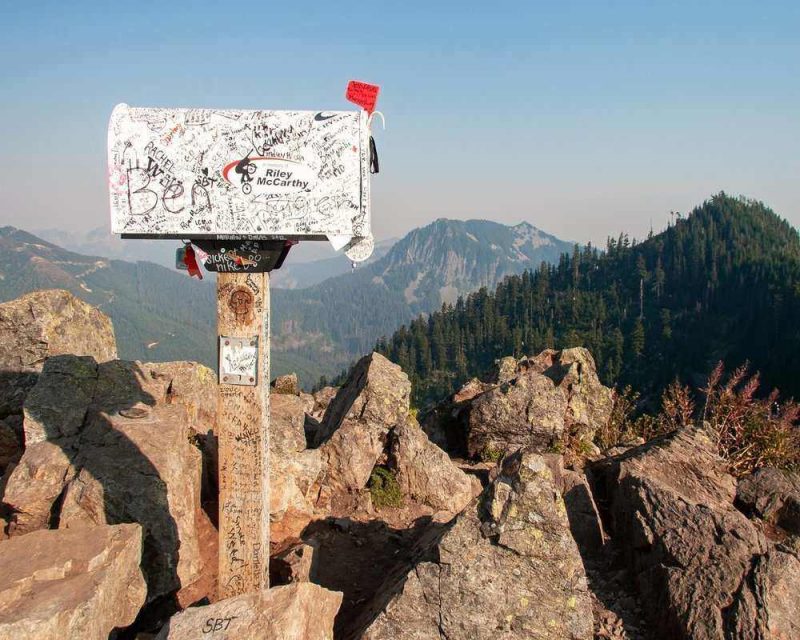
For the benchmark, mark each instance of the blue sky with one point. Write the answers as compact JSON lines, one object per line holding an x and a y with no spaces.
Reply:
{"x":583,"y":118}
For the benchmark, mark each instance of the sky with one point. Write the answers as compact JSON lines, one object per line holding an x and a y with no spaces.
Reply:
{"x":585,"y":119}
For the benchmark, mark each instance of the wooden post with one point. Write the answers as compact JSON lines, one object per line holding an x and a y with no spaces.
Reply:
{"x":243,"y":312}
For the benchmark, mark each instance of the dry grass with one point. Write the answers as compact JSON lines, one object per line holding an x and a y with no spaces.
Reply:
{"x":750,"y":431}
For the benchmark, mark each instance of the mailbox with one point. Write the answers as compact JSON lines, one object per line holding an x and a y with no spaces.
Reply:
{"x":232,"y":175}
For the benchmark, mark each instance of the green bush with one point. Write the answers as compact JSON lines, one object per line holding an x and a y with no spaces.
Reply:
{"x":384,"y":489}
{"x":490,"y":453}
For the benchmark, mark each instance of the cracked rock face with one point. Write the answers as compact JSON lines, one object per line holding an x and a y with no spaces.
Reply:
{"x":42,"y":324}
{"x":507,"y":569}
{"x":111,"y":443}
{"x":703,"y":569}
{"x":532,"y":402}
{"x":773,"y":495}
{"x":71,"y":584}
{"x":299,"y":611}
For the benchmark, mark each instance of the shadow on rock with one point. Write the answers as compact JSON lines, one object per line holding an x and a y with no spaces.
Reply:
{"x":92,"y":433}
{"x":367,"y":562}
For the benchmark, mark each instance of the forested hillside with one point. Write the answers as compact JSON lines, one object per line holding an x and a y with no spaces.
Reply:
{"x":162,"y":314}
{"x":158,"y":314}
{"x":321,"y":329}
{"x":721,"y":284}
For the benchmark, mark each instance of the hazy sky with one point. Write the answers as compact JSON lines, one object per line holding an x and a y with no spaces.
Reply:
{"x":583,"y":118}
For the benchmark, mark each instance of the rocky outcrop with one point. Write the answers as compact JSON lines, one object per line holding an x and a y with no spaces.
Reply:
{"x":772,"y":495}
{"x":425,"y":472}
{"x":508,"y":568}
{"x":111,"y":443}
{"x":536,"y":403}
{"x":369,"y":423}
{"x":39,"y":325}
{"x":299,"y":611}
{"x":353,"y":433}
{"x":287,"y":384}
{"x":703,"y":569}
{"x":70,"y":584}
{"x":294,"y":471}
{"x":10,"y":445}
{"x":49,"y":323}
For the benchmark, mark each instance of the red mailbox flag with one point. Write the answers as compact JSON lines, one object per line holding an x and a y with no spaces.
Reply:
{"x":363,"y":94}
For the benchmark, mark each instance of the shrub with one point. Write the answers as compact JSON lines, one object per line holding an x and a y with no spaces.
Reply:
{"x":384,"y":488}
{"x":749,"y":431}
{"x":490,"y":453}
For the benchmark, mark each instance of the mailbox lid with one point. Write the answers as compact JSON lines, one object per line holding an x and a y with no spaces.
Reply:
{"x":207,"y":173}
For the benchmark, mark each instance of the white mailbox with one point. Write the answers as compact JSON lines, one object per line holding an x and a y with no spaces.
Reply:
{"x":232,"y":174}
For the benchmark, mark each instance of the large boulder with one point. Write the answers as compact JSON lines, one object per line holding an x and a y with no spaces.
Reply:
{"x":508,"y":568}
{"x":286,"y":384}
{"x":70,"y":584}
{"x":50,"y":323}
{"x":299,"y":611}
{"x":702,"y":568}
{"x":112,"y":443}
{"x":10,"y":445}
{"x":43,"y":324}
{"x":294,"y":471}
{"x":773,"y":495}
{"x":425,"y":473}
{"x":352,"y":437}
{"x":532,"y":402}
{"x":589,"y":402}
{"x":527,"y":411}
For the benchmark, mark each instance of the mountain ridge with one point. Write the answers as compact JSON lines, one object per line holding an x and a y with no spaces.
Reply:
{"x":721,"y":284}
{"x":160,"y":314}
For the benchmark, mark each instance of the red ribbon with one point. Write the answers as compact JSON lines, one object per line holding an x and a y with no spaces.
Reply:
{"x":191,"y":262}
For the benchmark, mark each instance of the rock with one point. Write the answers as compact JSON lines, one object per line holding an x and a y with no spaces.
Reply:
{"x":118,"y":451}
{"x":308,"y":402}
{"x":294,"y":471}
{"x":425,"y":472}
{"x":773,"y":495}
{"x":526,"y":412}
{"x":56,"y":407}
{"x":508,"y":568}
{"x":771,"y":608}
{"x":701,"y":566}
{"x":14,"y":388}
{"x":287,"y":384}
{"x":188,"y":384}
{"x":584,"y":517}
{"x":10,"y":446}
{"x":295,"y":564}
{"x":49,"y":323}
{"x":287,"y":421}
{"x":353,"y":434}
{"x":589,"y":403}
{"x":43,"y":324}
{"x":299,"y":611}
{"x":71,"y":584}
{"x":506,"y":370}
{"x":35,"y":483}
{"x":322,"y":400}
{"x":532,"y":402}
